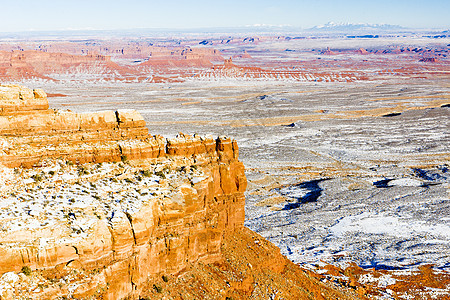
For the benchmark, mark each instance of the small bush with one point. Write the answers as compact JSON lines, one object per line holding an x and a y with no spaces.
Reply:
{"x":157,"y":288}
{"x":37,"y":177}
{"x":146,"y":173}
{"x":165,"y":278}
{"x":124,"y":159}
{"x":26,"y":270}
{"x":82,"y":170}
{"x":160,"y":174}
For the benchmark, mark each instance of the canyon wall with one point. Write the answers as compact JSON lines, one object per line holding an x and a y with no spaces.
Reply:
{"x":15,"y":98}
{"x":163,"y":236}
{"x":95,"y":208}
{"x":116,"y":256}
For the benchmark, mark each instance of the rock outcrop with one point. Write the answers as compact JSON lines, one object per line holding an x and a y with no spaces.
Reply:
{"x":19,"y":65}
{"x":362,"y":51}
{"x":16,"y":98}
{"x":154,"y":215}
{"x":30,"y":132}
{"x":229,"y":70}
{"x":328,"y":52}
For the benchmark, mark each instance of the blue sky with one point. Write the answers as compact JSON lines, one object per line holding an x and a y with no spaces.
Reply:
{"x":24,"y":15}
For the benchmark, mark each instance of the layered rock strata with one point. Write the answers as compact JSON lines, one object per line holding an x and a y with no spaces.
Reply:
{"x":15,"y":98}
{"x":91,"y":207}
{"x":30,"y":132}
{"x":125,"y":246}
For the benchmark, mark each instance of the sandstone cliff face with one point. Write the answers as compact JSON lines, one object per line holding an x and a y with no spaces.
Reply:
{"x":18,"y":98}
{"x":30,"y":132}
{"x":118,"y":250}
{"x":17,"y":65}
{"x":102,"y":229}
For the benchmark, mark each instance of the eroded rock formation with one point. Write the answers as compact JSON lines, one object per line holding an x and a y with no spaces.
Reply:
{"x":16,"y":98}
{"x":17,"y":65}
{"x":156,"y":214}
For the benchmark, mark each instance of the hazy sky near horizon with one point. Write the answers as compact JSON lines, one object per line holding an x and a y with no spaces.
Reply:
{"x":26,"y":15}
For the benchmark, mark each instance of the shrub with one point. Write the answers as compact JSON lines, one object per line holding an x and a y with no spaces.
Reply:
{"x":37,"y":177}
{"x":160,"y":174}
{"x":26,"y":270}
{"x":157,"y":288}
{"x":146,"y":173}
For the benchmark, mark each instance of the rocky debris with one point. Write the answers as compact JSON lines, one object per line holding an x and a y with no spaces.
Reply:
{"x":424,"y":283}
{"x":250,"y":268}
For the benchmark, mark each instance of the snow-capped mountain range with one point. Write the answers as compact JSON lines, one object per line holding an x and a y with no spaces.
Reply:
{"x":332,"y":26}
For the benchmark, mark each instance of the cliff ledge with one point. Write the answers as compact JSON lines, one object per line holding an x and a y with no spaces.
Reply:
{"x":93,"y":207}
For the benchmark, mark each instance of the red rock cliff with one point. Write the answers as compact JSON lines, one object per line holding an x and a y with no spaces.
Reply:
{"x":172,"y":208}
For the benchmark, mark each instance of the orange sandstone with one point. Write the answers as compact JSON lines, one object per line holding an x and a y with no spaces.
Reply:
{"x":192,"y":244}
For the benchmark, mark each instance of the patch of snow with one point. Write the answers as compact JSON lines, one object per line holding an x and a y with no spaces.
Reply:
{"x":67,"y":177}
{"x":387,"y":225}
{"x":10,"y":277}
{"x":405,"y":182}
{"x":6,"y":174}
{"x":197,"y":179}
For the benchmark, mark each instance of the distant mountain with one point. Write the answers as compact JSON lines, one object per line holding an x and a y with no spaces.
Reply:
{"x":331,"y":26}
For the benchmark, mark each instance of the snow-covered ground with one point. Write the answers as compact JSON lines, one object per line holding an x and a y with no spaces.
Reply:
{"x":383,"y":195}
{"x":62,"y":200}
